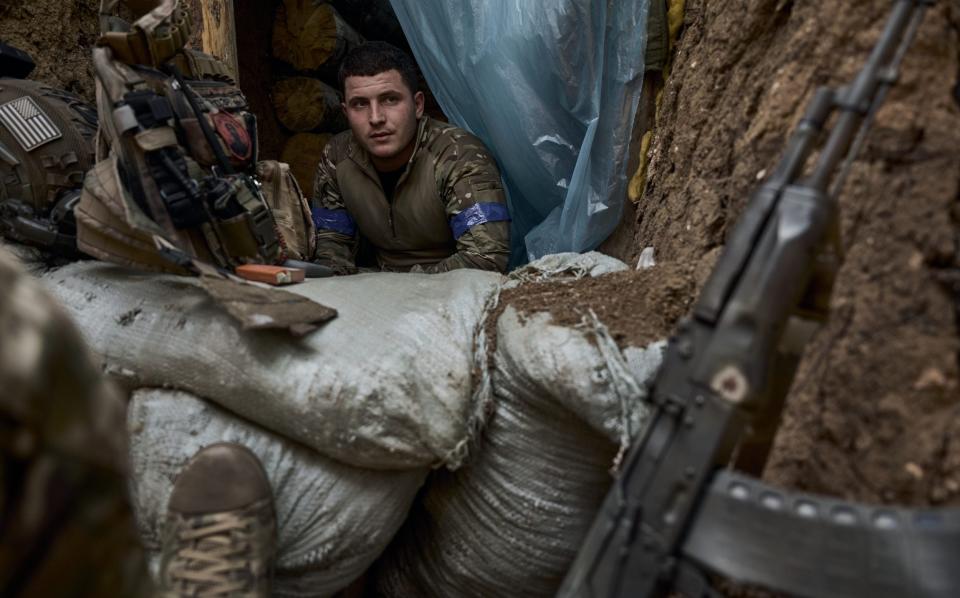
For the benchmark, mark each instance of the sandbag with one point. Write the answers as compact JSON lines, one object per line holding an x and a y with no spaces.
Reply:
{"x":400,"y":380}
{"x":564,"y":265}
{"x":388,"y":384}
{"x":509,"y":523}
{"x":332,"y":519}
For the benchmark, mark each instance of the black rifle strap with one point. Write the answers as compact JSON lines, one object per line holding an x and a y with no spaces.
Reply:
{"x":208,"y":134}
{"x":808,"y":545}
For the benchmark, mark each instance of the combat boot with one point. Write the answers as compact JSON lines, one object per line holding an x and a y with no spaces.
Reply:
{"x":220,"y":532}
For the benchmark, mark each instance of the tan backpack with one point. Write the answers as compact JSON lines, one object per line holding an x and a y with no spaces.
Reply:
{"x":177,"y":179}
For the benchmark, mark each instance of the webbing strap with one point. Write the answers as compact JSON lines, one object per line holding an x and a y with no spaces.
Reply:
{"x":260,"y":221}
{"x":208,"y":133}
{"x":808,"y":545}
{"x":179,"y":192}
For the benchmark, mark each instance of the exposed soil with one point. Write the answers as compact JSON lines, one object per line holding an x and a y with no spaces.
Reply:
{"x":59,"y":35}
{"x":875,"y":410}
{"x":662,"y":293}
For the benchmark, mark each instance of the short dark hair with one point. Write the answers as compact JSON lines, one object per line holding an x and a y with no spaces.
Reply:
{"x":375,"y":57}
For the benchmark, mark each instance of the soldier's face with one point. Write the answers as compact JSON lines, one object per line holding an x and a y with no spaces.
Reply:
{"x":383,"y":114}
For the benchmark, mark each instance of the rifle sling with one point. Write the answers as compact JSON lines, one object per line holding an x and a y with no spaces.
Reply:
{"x":808,"y":545}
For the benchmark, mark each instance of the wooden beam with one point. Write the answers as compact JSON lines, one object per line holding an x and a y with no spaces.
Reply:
{"x":373,"y":19}
{"x":310,"y":36}
{"x":219,"y":33}
{"x":306,"y":104}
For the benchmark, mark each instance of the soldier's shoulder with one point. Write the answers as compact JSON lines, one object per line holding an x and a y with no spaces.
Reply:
{"x":444,"y":139}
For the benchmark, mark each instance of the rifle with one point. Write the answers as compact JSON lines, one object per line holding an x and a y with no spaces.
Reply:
{"x":675,"y":514}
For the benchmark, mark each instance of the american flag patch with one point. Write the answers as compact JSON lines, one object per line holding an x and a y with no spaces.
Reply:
{"x":24,"y":118}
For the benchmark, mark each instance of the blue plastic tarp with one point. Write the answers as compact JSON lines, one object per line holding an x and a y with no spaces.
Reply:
{"x":551,"y":86}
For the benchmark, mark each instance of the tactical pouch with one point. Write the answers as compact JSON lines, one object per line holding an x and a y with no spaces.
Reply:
{"x":161,"y":30}
{"x":183,"y":148}
{"x":290,"y":208}
{"x":104,"y":218}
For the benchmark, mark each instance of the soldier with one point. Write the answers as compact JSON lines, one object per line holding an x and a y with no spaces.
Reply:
{"x":420,"y":195}
{"x":65,"y":524}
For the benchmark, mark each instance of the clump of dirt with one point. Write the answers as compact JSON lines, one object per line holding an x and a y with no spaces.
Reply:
{"x":662,"y":294}
{"x":59,"y":35}
{"x":874,"y":413}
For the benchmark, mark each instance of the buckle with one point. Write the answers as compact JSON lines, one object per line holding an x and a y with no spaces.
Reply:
{"x":150,"y":108}
{"x":183,"y":210}
{"x":263,"y":230}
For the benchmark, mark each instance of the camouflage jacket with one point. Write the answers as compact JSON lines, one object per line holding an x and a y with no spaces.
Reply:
{"x":448,"y":209}
{"x":66,"y":528}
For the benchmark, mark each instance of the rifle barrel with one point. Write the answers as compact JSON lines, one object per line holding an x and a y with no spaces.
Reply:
{"x":860,"y":99}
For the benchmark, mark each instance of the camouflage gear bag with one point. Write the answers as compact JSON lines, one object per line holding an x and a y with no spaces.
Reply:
{"x":176,"y":178}
{"x":46,"y":146}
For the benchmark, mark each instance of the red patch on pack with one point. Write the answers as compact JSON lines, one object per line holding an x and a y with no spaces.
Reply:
{"x":234,"y":135}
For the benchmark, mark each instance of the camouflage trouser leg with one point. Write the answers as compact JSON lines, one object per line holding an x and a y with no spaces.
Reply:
{"x":65,"y":524}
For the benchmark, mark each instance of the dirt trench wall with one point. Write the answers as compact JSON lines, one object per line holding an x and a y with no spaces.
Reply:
{"x":875,"y":411}
{"x":58,"y":34}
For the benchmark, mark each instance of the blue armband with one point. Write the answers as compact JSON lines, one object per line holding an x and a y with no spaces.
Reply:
{"x":478,"y":213}
{"x":338,"y":221}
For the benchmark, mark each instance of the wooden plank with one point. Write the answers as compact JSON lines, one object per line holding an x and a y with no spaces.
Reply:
{"x":218,"y":32}
{"x":373,"y":19}
{"x":306,"y":104}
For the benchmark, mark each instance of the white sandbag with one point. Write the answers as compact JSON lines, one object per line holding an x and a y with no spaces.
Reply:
{"x":565,"y":265}
{"x":387,"y":384}
{"x":510,"y":521}
{"x":332,"y":519}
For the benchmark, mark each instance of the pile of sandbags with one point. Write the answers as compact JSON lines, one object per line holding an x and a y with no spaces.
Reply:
{"x":349,"y":419}
{"x":387,"y":384}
